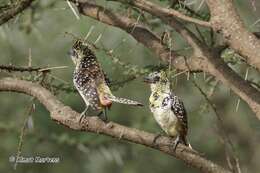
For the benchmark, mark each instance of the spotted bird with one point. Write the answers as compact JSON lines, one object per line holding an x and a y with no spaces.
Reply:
{"x":91,"y":81}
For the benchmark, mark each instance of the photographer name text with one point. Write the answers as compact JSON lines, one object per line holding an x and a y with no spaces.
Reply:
{"x":34,"y":159}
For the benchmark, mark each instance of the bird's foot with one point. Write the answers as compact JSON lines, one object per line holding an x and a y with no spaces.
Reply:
{"x":155,"y":139}
{"x":83,"y":115}
{"x":174,"y":143}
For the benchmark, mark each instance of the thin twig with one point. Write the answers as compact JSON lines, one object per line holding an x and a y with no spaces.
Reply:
{"x":224,"y":135}
{"x":23,"y":131}
{"x":239,"y":100}
{"x":144,"y":5}
{"x":12,"y":68}
{"x":51,"y":68}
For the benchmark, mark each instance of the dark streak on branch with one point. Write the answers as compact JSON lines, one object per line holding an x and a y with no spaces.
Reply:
{"x":13,"y":9}
{"x":12,"y":68}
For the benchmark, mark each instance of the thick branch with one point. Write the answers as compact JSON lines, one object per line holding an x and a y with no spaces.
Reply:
{"x":225,"y":19}
{"x":210,"y":60}
{"x":237,"y":84}
{"x":165,"y":11}
{"x":12,"y":11}
{"x":66,"y":116}
{"x":140,"y":33}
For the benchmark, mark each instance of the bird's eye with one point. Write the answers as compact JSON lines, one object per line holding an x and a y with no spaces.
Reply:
{"x":156,"y":78}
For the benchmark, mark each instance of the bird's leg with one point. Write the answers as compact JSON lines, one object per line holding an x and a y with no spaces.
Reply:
{"x":100,"y":113}
{"x":103,"y":115}
{"x":83,"y":114}
{"x":155,"y":139}
{"x":175,"y":143}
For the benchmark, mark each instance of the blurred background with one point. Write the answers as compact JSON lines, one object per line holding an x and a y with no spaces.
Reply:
{"x":39,"y":32}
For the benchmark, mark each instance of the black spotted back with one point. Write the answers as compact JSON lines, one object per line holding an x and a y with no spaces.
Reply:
{"x":180,"y":112}
{"x":91,"y":66}
{"x":88,"y":75}
{"x":87,"y":89}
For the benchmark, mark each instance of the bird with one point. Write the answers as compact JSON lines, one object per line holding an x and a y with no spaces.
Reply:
{"x":167,"y":108}
{"x":91,"y":81}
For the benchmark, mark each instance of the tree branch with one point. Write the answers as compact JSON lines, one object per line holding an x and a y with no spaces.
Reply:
{"x":225,"y":19}
{"x":165,"y":11}
{"x":12,"y":68}
{"x":12,"y":11}
{"x":140,"y":33}
{"x":66,"y":116}
{"x":204,"y":58}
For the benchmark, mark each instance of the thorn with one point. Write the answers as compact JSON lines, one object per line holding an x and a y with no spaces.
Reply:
{"x":121,"y":135}
{"x":30,"y":58}
{"x":73,"y":10}
{"x":89,"y":32}
{"x":99,"y":37}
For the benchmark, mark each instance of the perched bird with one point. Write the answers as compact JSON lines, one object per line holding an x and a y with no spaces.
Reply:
{"x":168,"y":110}
{"x":91,"y":82}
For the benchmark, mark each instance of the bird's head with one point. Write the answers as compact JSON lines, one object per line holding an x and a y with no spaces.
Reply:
{"x":78,"y":51}
{"x":157,"y":80}
{"x":156,"y":77}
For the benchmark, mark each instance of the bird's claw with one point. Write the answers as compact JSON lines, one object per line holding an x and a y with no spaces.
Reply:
{"x":82,"y":116}
{"x":155,"y":139}
{"x":174,"y":143}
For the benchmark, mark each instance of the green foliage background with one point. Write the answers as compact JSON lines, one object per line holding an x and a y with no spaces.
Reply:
{"x":42,"y":29}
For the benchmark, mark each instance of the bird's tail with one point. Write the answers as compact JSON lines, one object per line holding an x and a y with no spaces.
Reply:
{"x":125,"y":101}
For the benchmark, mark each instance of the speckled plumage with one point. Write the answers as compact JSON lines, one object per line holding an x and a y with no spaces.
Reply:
{"x":90,"y":80}
{"x":167,"y":108}
{"x":87,"y":75}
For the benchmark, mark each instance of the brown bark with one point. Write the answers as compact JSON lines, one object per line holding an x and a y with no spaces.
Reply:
{"x":204,"y":58}
{"x":66,"y":116}
{"x":224,"y":19}
{"x":12,"y":11}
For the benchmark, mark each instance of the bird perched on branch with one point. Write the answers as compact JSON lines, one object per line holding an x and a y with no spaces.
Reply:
{"x":168,"y":110}
{"x":91,"y":82}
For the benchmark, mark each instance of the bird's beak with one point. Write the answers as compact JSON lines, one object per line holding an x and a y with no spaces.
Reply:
{"x":71,"y":53}
{"x":148,"y":80}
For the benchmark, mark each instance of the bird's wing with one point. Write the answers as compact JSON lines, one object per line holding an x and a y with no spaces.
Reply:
{"x":90,"y":68}
{"x":93,"y":69}
{"x":180,"y":112}
{"x":91,"y":93}
{"x":87,"y":88}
